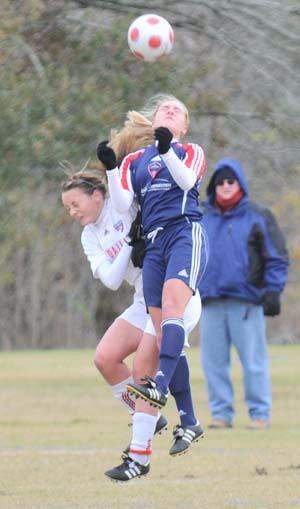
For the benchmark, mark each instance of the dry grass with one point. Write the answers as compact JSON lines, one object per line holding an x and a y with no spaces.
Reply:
{"x":60,"y":429}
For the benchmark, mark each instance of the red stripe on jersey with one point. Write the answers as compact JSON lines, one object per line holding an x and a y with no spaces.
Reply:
{"x":124,"y":168}
{"x":195,"y":159}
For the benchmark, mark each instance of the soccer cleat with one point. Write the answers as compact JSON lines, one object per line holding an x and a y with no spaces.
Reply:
{"x":161,"y":425}
{"x":183,"y":437}
{"x":128,"y":470}
{"x":149,"y":392}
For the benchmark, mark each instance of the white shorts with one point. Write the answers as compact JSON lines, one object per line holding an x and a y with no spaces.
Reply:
{"x":136,"y":315}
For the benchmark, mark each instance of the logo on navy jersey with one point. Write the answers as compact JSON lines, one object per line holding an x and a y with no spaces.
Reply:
{"x":119,"y":226}
{"x":154,"y":167}
{"x":160,"y":185}
{"x":183,"y":273}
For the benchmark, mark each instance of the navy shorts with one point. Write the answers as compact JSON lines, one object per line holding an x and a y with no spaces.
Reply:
{"x":177,"y":251}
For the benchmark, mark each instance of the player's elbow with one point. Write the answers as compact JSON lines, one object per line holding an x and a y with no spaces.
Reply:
{"x":112,"y":285}
{"x":186,"y":186}
{"x":109,"y":282}
{"x":187,"y":182}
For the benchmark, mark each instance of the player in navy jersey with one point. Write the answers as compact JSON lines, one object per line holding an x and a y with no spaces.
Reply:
{"x":164,"y":177}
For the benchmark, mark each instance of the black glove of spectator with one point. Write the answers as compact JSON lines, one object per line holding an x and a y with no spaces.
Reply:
{"x":137,"y":242}
{"x":106,"y":155}
{"x":164,"y":137}
{"x":271,"y":304}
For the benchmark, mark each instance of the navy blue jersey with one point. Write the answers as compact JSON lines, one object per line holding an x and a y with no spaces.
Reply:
{"x":162,"y":201}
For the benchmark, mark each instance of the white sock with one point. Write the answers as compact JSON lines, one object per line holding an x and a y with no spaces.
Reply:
{"x":123,"y":396}
{"x":143,"y":427}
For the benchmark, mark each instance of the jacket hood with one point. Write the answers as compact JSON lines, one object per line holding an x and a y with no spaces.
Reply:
{"x":237,"y":169}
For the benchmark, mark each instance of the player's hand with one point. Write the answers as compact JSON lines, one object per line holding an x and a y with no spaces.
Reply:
{"x":271,"y":304}
{"x":135,"y":233}
{"x":106,"y":155}
{"x":164,"y":137}
{"x":137,"y":241}
{"x":138,"y":253}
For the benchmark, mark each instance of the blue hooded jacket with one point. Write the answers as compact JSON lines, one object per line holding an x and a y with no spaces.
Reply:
{"x":247,"y":251}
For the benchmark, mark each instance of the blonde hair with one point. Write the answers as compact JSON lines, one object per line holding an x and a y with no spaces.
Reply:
{"x":138,"y":132}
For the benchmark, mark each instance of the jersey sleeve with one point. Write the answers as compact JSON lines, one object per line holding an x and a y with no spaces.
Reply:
{"x":187,"y":171}
{"x":126,"y":169}
{"x":120,"y":183}
{"x":195,"y":159}
{"x":121,"y":197}
{"x":111,"y":274}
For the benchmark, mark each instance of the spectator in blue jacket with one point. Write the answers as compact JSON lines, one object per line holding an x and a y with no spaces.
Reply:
{"x":245,"y":275}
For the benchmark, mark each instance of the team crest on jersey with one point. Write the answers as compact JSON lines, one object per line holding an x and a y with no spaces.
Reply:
{"x":119,"y":226}
{"x":154,"y":167}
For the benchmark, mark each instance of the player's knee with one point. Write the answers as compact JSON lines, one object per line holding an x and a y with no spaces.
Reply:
{"x":98,"y":361}
{"x":175,"y":298}
{"x":102,"y":362}
{"x":171,"y":306}
{"x":171,"y":309}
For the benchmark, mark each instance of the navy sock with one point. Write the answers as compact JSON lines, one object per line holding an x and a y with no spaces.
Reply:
{"x":181,"y":390}
{"x":172,"y":342}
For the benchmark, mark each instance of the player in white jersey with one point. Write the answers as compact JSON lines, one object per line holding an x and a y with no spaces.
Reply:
{"x":104,"y":240}
{"x":83,"y":196}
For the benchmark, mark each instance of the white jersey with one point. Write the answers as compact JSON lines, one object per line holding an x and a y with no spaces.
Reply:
{"x":104,"y":245}
{"x":109,"y":257}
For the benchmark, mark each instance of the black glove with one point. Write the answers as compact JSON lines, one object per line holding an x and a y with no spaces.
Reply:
{"x":137,"y":241}
{"x":106,"y":155}
{"x":138,"y":253}
{"x":136,"y":230}
{"x":164,"y":137}
{"x":271,"y":304}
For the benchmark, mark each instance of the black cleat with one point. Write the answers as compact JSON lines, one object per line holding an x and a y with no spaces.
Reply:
{"x":183,"y":437}
{"x":128,"y":470}
{"x":149,"y":392}
{"x":161,"y":425}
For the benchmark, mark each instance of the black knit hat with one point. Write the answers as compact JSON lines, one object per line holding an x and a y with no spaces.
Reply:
{"x":224,"y":173}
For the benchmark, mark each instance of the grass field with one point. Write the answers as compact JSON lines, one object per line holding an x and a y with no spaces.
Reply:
{"x":60,"y":429}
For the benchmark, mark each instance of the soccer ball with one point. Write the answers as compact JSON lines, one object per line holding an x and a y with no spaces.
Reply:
{"x":150,"y":37}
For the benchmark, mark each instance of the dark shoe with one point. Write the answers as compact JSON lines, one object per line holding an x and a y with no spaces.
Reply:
{"x":219,"y":424}
{"x":128,"y":470}
{"x":149,"y":392}
{"x":161,"y":425}
{"x":183,"y":437}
